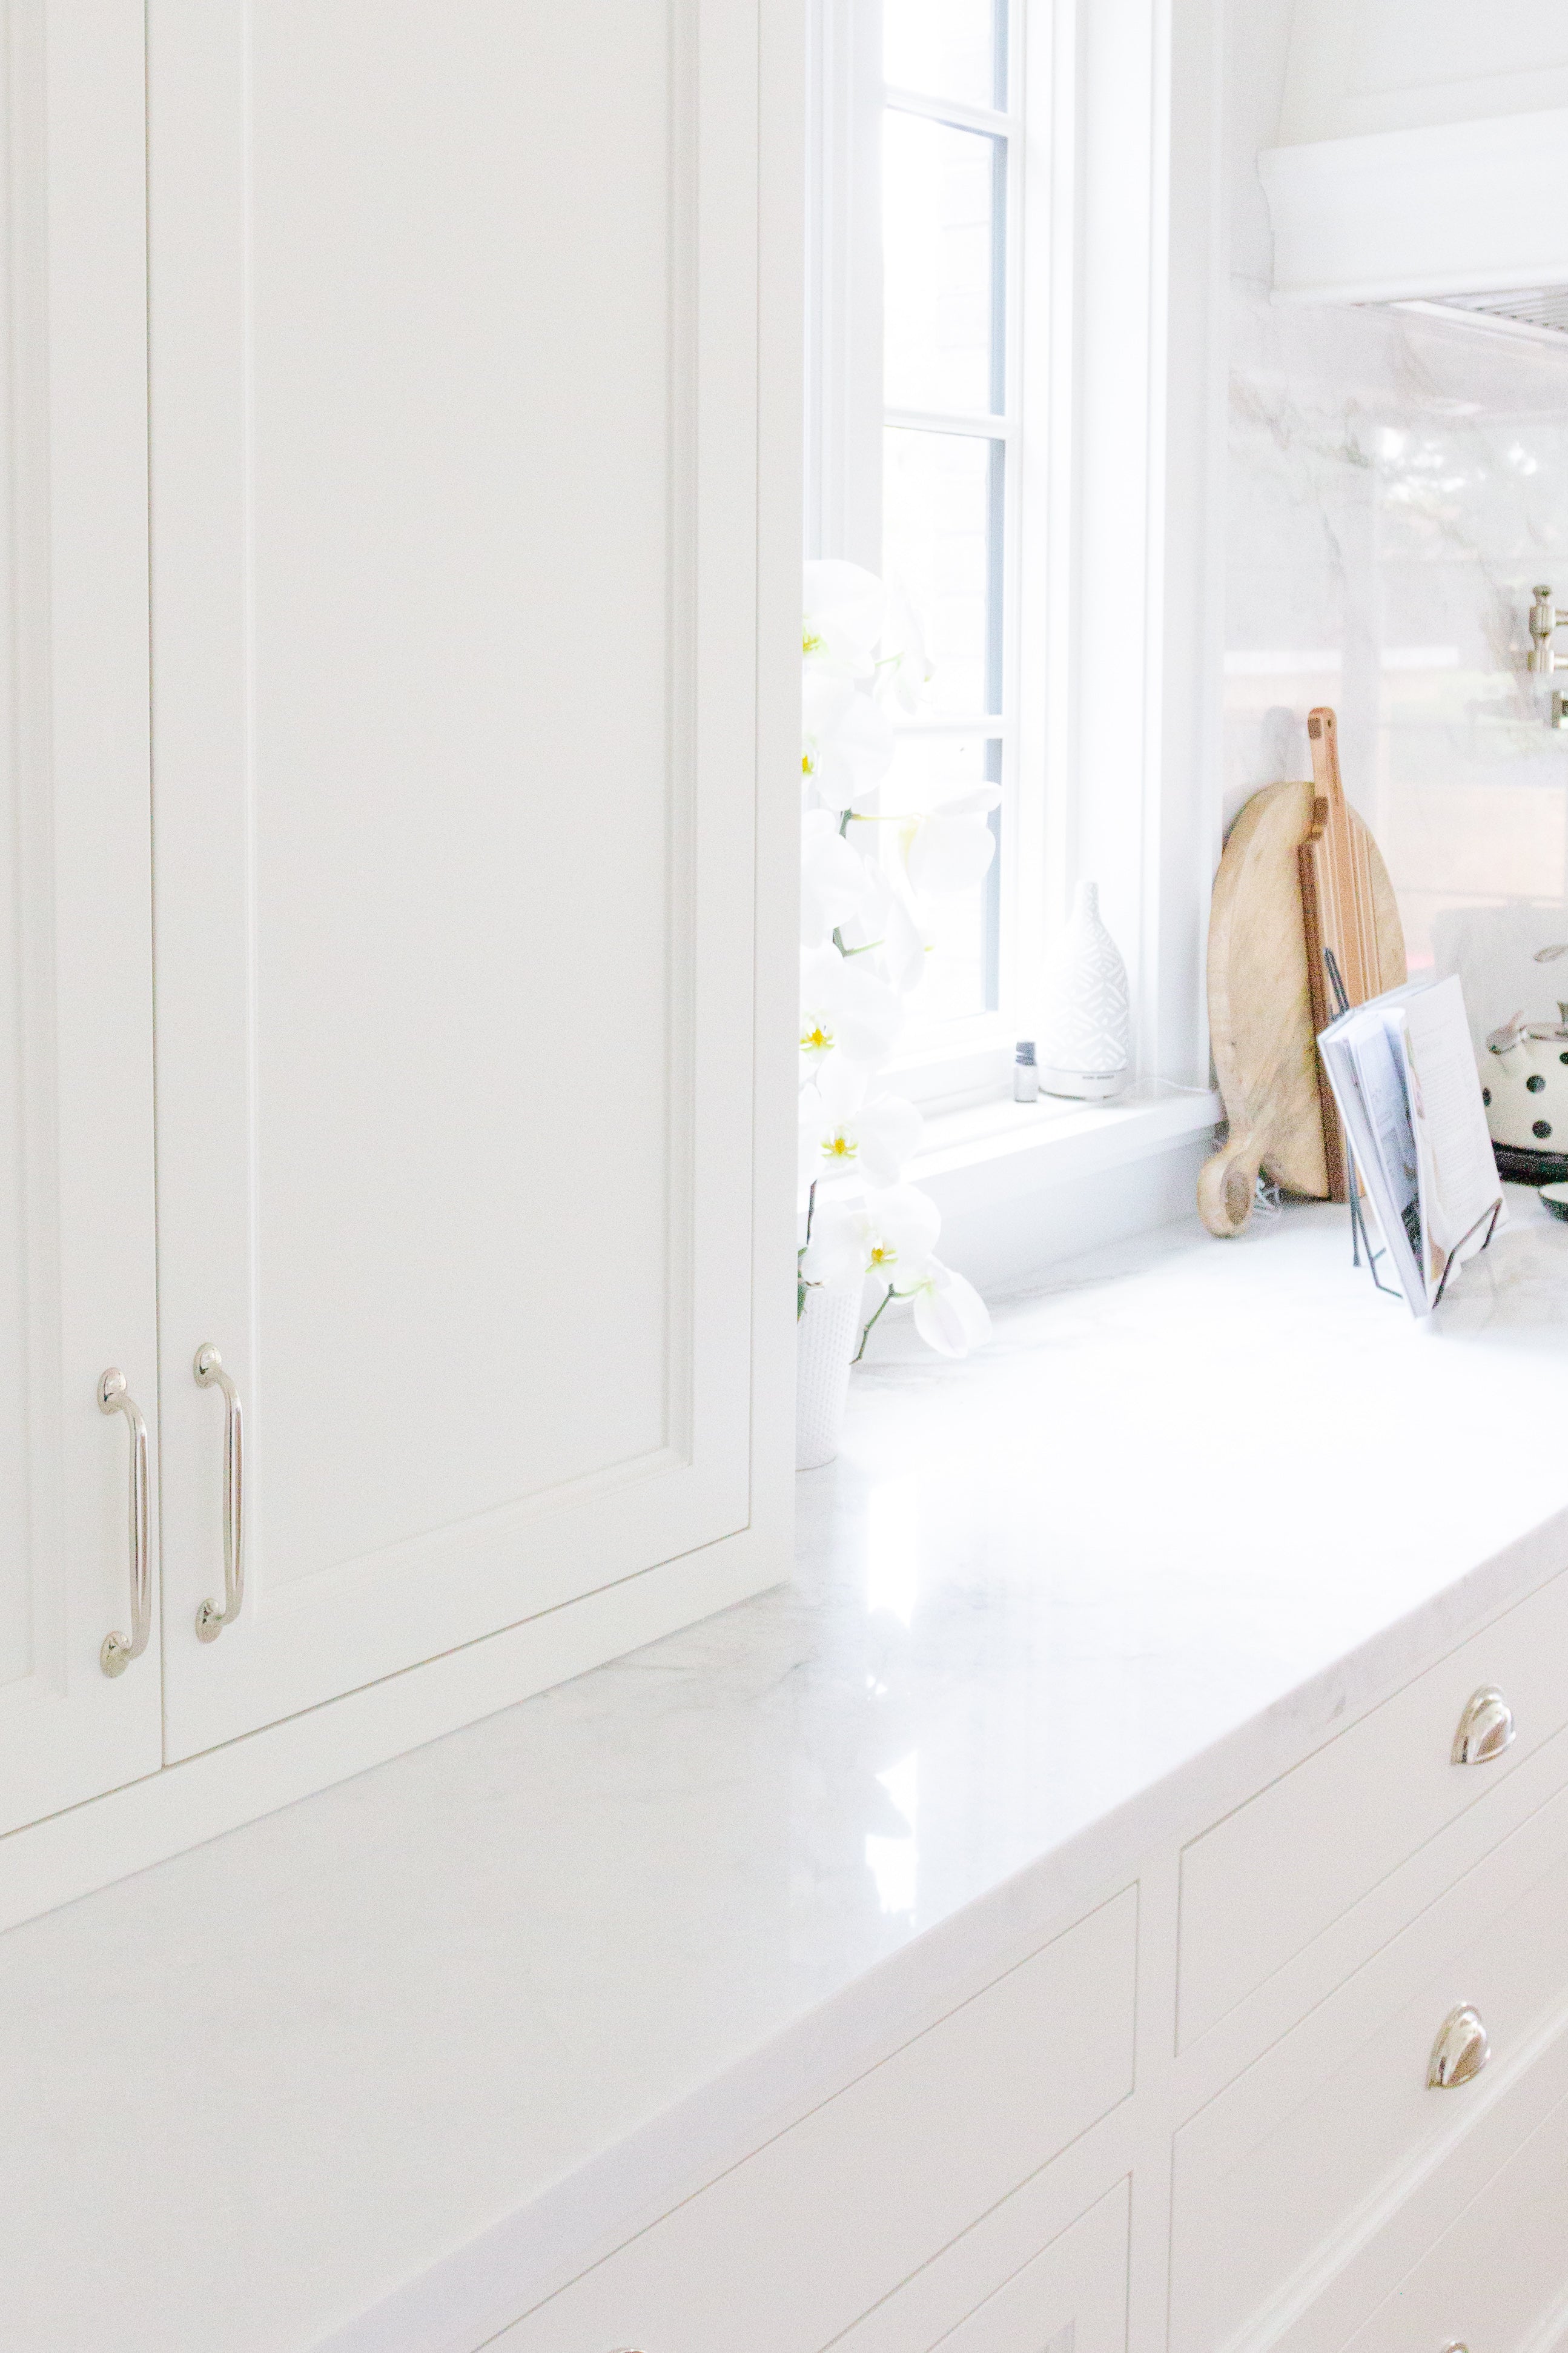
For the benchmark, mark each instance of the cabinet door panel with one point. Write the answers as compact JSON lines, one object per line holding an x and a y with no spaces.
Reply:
{"x":76,"y":1030}
{"x":454,"y":581}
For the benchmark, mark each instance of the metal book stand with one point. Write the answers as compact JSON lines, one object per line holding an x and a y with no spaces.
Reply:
{"x":1359,"y":1234}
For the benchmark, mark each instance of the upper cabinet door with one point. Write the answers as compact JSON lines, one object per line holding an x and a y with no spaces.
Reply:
{"x":454,"y":508}
{"x":77,"y":1242}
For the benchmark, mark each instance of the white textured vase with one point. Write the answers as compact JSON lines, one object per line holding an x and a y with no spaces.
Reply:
{"x":1084,"y":1048}
{"x":826,"y":1335}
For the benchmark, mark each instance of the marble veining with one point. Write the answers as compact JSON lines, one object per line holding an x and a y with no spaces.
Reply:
{"x":1196,"y":1500}
{"x":1397,"y":484}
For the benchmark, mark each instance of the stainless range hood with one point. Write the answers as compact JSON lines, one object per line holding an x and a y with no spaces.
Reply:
{"x":1423,"y":157}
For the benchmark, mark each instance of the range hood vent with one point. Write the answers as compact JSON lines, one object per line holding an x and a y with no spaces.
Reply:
{"x":1423,"y":157}
{"x":1539,"y":314}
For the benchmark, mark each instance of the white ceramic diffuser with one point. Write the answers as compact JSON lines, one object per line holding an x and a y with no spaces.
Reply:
{"x":1084,"y":1048}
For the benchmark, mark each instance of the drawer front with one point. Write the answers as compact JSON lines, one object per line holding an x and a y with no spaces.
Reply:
{"x":1043,"y":2270}
{"x":1496,"y":2280}
{"x":1264,"y":1882}
{"x":1282,"y":2168}
{"x":786,"y":2252}
{"x":1069,"y":2298}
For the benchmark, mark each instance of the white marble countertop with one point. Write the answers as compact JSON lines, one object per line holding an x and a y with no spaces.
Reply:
{"x":1194,"y":1502}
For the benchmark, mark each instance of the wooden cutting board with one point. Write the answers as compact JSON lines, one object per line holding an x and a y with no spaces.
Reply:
{"x":1263,"y":1021}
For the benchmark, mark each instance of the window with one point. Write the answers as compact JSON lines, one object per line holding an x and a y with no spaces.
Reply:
{"x":1015,"y":379}
{"x":918,"y":198}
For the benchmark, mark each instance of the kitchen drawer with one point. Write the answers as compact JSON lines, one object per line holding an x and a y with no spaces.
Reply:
{"x":1497,"y":2281}
{"x":1069,"y":2298}
{"x":787,"y":2249}
{"x":1264,"y":1882}
{"x":1285,"y":2166}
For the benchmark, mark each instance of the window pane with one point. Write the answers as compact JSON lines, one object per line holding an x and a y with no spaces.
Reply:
{"x":941,"y":229}
{"x":941,"y":546}
{"x":959,"y":977}
{"x":952,"y":48}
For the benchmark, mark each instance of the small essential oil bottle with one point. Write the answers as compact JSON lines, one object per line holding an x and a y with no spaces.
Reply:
{"x":1026,"y":1076}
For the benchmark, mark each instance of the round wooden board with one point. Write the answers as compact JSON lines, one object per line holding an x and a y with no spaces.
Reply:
{"x":1260,"y":1010}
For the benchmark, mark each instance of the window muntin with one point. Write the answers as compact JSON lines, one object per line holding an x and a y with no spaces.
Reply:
{"x":950,"y":459}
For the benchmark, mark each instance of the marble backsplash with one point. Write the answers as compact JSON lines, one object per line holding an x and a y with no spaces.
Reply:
{"x":1397,"y":485}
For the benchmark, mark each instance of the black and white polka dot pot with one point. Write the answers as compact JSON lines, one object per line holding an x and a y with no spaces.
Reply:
{"x":1524,"y":1080}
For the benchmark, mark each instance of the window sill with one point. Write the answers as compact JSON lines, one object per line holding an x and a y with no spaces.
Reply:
{"x":1022,"y":1187}
{"x":1055,"y":1139}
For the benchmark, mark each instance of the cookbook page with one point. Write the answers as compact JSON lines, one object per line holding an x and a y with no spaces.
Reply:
{"x":1446,"y":1094}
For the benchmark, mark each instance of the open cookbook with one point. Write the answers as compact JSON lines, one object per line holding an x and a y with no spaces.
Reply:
{"x":1403,"y":1075}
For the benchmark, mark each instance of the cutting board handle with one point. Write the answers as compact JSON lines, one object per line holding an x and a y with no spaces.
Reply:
{"x":1227,"y":1184}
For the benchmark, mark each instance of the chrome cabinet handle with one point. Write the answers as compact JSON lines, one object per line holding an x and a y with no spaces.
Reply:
{"x":119,"y":1650}
{"x":1461,"y":2052}
{"x":1485,"y":1728}
{"x":210,"y":1619}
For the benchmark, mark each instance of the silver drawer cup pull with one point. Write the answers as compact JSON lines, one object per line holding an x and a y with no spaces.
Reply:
{"x":1486,"y":1727}
{"x":1461,"y":2052}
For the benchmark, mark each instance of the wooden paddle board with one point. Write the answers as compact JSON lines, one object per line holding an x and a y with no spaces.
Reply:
{"x":1262,"y":1021}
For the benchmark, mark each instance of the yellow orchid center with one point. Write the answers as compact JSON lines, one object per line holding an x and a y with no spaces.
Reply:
{"x":810,"y":642}
{"x":839,"y":1147}
{"x":881,"y":1256}
{"x":817,"y":1040}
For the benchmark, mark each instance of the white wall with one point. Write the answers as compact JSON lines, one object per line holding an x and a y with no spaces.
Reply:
{"x":1395,"y":486}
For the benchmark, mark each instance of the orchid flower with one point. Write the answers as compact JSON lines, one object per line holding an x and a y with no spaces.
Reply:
{"x":847,"y":1013}
{"x":834,"y":1256}
{"x":885,"y":920}
{"x":846,"y":761}
{"x":845,"y":1129}
{"x":898,"y":1230}
{"x":835,"y":880}
{"x":843,"y":618}
{"x":950,"y":1315}
{"x":948,"y":848}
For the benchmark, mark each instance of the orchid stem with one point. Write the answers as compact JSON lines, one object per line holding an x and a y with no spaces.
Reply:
{"x":801,"y":1284}
{"x":867,"y":1333}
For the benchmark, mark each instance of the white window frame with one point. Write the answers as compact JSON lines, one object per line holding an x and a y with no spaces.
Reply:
{"x":966,"y":1060}
{"x":1114,"y":567}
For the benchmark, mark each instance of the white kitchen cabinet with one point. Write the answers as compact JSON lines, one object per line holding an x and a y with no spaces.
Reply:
{"x":77,"y":1245}
{"x":408,"y":615}
{"x":454,"y":643}
{"x":837,"y":2214}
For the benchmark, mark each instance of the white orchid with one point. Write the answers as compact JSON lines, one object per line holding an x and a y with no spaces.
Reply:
{"x":847,"y":1129}
{"x":843,"y":618}
{"x":898,"y":1230}
{"x":885,"y":921}
{"x":890,"y":1240}
{"x":948,"y":847}
{"x":835,"y":880}
{"x":834,"y":1258}
{"x":950,"y":1315}
{"x":888,"y":1237}
{"x":847,"y":1013}
{"x":863,"y":949}
{"x":844,"y":764}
